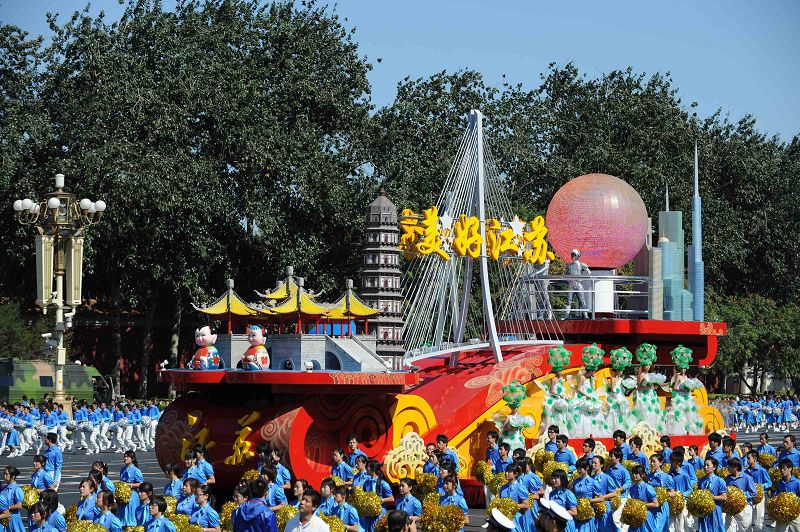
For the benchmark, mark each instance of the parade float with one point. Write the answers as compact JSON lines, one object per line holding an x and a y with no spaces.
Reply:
{"x":545,"y":312}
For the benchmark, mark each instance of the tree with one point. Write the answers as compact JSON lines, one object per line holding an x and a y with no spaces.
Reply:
{"x":21,"y":335}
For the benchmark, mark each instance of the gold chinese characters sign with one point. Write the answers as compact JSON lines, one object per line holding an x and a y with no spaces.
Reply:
{"x":444,"y":236}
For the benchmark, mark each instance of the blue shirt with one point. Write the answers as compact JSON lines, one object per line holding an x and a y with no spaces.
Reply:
{"x":131,"y":474}
{"x":195,"y":473}
{"x":351,"y":458}
{"x":360,"y":478}
{"x":766,"y":448}
{"x":499,"y":465}
{"x":683,"y":483}
{"x":626,"y":451}
{"x":759,"y":476}
{"x":275,"y":495}
{"x":343,"y":471}
{"x":744,"y":483}
{"x":55,"y":459}
{"x":793,"y":455}
{"x":551,"y":446}
{"x":109,"y":521}
{"x":450,"y":455}
{"x":207,"y":468}
{"x":410,"y":505}
{"x":621,"y":477}
{"x":567,"y":457}
{"x":696,"y":463}
{"x":347,"y":514}
{"x":718,"y":454}
{"x":57,"y":521}
{"x":454,"y":500}
{"x":205,"y":516}
{"x":327,"y":506}
{"x":792,"y":486}
{"x":88,"y":510}
{"x":41,"y":480}
{"x":725,"y":460}
{"x":174,"y":488}
{"x":187,"y":506}
{"x":429,"y":467}
{"x":161,"y":524}
{"x":283,"y":475}
{"x":640,"y":459}
{"x":659,"y":479}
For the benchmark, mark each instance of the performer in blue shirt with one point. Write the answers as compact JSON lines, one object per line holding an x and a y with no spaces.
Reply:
{"x":491,"y":445}
{"x":563,"y":454}
{"x":719,"y":490}
{"x":40,"y":479}
{"x":341,"y":468}
{"x":619,"y":443}
{"x":552,"y":433}
{"x":646,"y":493}
{"x":174,"y":483}
{"x":159,"y":523}
{"x":789,"y":452}
{"x":345,"y":512}
{"x":451,"y":498}
{"x":714,"y":447}
{"x":55,"y":458}
{"x":355,"y":452}
{"x":407,"y":502}
{"x":760,"y":476}
{"x":765,"y":447}
{"x":744,"y":519}
{"x":106,"y":505}
{"x":502,"y":461}
{"x":205,"y":515}
{"x":607,"y":488}
{"x":447,"y":454}
{"x":563,"y":495}
{"x":361,"y":476}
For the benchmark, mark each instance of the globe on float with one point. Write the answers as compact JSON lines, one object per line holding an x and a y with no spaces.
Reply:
{"x":600,"y":215}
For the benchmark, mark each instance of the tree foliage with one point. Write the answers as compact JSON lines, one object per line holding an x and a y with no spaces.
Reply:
{"x":232,"y":138}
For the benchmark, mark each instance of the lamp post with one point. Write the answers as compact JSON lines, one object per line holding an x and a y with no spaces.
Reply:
{"x":60,"y":219}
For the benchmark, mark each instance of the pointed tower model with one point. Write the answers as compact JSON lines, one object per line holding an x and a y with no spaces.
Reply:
{"x":695,"y":251}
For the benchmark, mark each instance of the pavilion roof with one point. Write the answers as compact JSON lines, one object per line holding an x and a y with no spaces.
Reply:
{"x":350,"y":306}
{"x":221,"y":306}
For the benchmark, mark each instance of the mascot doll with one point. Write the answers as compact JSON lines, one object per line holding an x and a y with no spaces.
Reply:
{"x":256,"y":357}
{"x":207,"y":356}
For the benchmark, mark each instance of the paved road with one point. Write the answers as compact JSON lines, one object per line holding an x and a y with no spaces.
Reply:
{"x":77,"y":466}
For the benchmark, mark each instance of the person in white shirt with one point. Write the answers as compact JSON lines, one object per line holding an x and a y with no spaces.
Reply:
{"x":306,"y":520}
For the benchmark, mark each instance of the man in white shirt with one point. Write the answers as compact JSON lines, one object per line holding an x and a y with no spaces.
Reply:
{"x":306,"y":520}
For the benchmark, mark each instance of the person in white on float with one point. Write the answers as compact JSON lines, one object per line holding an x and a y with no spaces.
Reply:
{"x":306,"y":519}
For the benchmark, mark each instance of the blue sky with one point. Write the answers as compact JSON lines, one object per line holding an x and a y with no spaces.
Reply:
{"x":741,"y":56}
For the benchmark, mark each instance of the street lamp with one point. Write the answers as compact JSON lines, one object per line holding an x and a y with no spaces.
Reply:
{"x":60,"y":220}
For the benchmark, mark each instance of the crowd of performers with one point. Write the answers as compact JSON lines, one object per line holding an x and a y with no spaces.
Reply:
{"x":769,"y":412}
{"x":92,"y":427}
{"x":576,"y":406}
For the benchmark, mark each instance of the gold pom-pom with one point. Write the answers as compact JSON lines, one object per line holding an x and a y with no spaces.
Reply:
{"x":180,"y":521}
{"x":137,"y":528}
{"x":723,"y":473}
{"x":333,"y":522}
{"x":551,"y":466}
{"x":172,"y":506}
{"x":497,"y":482}
{"x":585,"y":510}
{"x":676,"y":503}
{"x":775,"y":475}
{"x":191,"y":528}
{"x":784,"y":507}
{"x":483,"y":471}
{"x":85,"y":526}
{"x":426,"y":483}
{"x":599,"y":509}
{"x":766,"y":460}
{"x":796,"y":472}
{"x":250,"y":475}
{"x":700,"y":503}
{"x":225,"y":515}
{"x":541,"y":458}
{"x":382,"y":524}
{"x":284,"y":515}
{"x":735,"y":501}
{"x":71,"y":515}
{"x":336,"y":480}
{"x":700,"y":473}
{"x":450,"y":518}
{"x":629,"y":464}
{"x":759,"y":494}
{"x":665,"y":468}
{"x":30,"y":496}
{"x":506,"y":506}
{"x":366,"y":503}
{"x":616,"y":502}
{"x":122,"y":492}
{"x":661,"y":495}
{"x":634,"y":513}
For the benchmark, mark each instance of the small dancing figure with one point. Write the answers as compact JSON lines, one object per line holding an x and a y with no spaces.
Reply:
{"x":619,"y":407}
{"x":587,"y":408}
{"x":556,"y":404}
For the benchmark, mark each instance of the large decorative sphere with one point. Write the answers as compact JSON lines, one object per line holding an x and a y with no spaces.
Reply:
{"x":600,"y":215}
